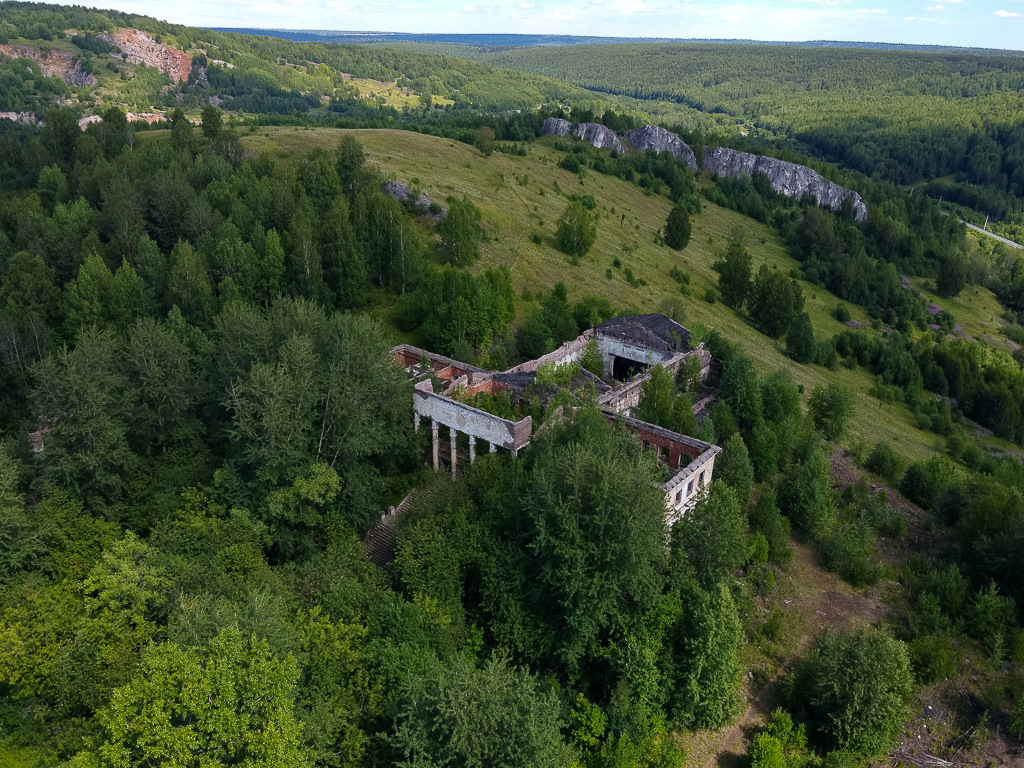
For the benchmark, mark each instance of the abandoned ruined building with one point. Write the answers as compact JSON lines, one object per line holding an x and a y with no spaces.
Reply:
{"x":629,"y":346}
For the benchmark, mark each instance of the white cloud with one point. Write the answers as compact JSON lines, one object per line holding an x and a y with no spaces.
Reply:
{"x":910,"y":18}
{"x":468,"y":9}
{"x":1004,"y":14}
{"x":870,"y":10}
{"x":527,"y":5}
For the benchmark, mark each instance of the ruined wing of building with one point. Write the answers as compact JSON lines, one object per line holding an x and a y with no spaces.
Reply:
{"x":629,"y":347}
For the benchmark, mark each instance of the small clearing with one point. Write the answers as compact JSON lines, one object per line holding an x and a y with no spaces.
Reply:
{"x":809,"y":598}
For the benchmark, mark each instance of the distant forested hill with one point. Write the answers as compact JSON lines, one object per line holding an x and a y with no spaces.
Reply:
{"x":255,"y":74}
{"x":901,"y":116}
{"x":488,"y":40}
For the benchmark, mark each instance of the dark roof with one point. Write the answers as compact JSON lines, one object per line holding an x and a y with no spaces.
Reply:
{"x":654,"y":331}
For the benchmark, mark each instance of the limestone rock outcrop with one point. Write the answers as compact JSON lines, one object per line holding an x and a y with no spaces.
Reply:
{"x":599,"y":136}
{"x":400,"y":192}
{"x":53,"y":63}
{"x":25,"y":118}
{"x":140,"y":48}
{"x":789,"y":178}
{"x":592,"y":133}
{"x":556,"y":126}
{"x":657,"y":138}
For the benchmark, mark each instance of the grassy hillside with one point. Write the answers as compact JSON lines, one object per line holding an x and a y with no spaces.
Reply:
{"x":520,"y":196}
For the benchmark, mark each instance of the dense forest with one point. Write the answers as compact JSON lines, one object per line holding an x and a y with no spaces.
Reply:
{"x":902,"y":117}
{"x":200,"y":421}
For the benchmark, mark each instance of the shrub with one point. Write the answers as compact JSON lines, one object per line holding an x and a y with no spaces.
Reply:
{"x":886,"y":463}
{"x":932,"y":658}
{"x":852,"y":690}
{"x":831,"y":407}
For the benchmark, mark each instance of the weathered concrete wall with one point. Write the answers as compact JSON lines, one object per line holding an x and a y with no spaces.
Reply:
{"x":625,"y":398}
{"x":672,"y":444}
{"x":569,"y":352}
{"x":511,"y":435}
{"x":612,"y":348}
{"x":445,"y":368}
{"x":684,"y":490}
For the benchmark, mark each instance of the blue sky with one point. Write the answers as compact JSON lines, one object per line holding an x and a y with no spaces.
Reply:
{"x":981,"y":23}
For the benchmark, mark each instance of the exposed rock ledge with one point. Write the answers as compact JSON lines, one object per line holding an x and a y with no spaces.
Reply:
{"x":592,"y":133}
{"x":25,"y":118}
{"x":657,"y":138}
{"x":790,"y":179}
{"x":54,"y":63}
{"x":400,"y":192}
{"x":140,"y":48}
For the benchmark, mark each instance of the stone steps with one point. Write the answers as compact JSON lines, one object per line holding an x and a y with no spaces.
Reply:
{"x":379,"y":541}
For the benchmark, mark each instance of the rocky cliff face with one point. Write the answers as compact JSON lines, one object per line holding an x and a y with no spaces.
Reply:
{"x":657,"y":138}
{"x":599,"y":136}
{"x":789,"y":178}
{"x":555,"y":126}
{"x":25,"y":118}
{"x":52,"y":63}
{"x":592,"y":133}
{"x":140,"y":48}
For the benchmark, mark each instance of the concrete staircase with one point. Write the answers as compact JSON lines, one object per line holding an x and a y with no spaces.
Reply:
{"x":379,"y":541}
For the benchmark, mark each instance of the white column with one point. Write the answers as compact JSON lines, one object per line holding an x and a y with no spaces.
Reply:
{"x":455,"y":459}
{"x":472,"y":449}
{"x":433,"y":429}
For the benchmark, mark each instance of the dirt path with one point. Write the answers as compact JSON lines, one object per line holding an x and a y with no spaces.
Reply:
{"x":809,"y":598}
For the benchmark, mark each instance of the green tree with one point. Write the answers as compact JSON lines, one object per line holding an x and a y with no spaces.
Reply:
{"x":852,"y":690}
{"x":319,"y":178}
{"x":28,"y":289}
{"x":734,"y":274}
{"x":701,"y":655}
{"x":800,"y":344}
{"x":677,"y":228}
{"x":952,"y":275}
{"x":496,"y":715}
{"x":576,"y":230}
{"x":766,"y":752}
{"x":592,"y":360}
{"x":733,"y":467}
{"x":713,"y":535}
{"x":741,"y":390}
{"x":460,"y":232}
{"x":832,"y":407}
{"x":272,"y":268}
{"x":350,"y":165}
{"x":183,"y":135}
{"x":484,"y":141}
{"x":805,"y":494}
{"x":212,"y":121}
{"x":88,"y":400}
{"x":598,"y":547}
{"x":343,"y":265}
{"x":86,"y":299}
{"x":661,"y":404}
{"x":189,"y":284}
{"x":229,"y":704}
{"x":775,"y":301}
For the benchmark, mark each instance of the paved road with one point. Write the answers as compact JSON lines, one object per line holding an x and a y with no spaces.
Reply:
{"x":990,"y":234}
